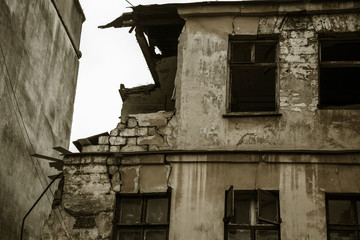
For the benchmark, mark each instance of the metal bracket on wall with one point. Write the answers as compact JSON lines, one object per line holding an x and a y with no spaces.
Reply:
{"x":42,"y":194}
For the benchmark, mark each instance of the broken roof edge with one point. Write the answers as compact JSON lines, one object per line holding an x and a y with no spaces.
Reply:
{"x":92,"y":140}
{"x":125,"y":92}
{"x":127,"y":19}
{"x":250,"y":8}
{"x":266,"y":8}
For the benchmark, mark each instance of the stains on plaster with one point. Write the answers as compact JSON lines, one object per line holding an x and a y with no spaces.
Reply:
{"x":201,"y":89}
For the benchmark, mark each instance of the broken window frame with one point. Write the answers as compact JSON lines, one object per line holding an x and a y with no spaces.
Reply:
{"x":262,"y":194}
{"x":335,"y":64}
{"x":256,"y":223}
{"x":343,"y":228}
{"x":143,"y":225}
{"x":252,"y":64}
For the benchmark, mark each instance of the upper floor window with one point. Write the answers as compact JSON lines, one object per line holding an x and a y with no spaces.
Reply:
{"x":140,"y":217}
{"x":339,"y":81}
{"x":252,"y":74}
{"x":252,"y":215}
{"x":343,"y":216}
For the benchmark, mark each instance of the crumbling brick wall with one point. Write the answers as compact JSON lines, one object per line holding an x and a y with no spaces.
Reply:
{"x":91,"y":182}
{"x":138,"y":132}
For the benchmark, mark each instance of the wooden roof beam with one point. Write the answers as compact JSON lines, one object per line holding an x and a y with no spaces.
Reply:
{"x":139,"y":33}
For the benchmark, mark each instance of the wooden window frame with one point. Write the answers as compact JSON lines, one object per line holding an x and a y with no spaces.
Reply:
{"x":142,"y":226}
{"x":353,"y":198}
{"x":252,"y":64}
{"x":260,"y":223}
{"x":340,"y":37}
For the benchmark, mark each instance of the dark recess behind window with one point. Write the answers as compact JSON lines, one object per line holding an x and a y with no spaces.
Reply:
{"x":340,"y":86}
{"x":253,"y":89}
{"x":340,"y":74}
{"x":343,"y":216}
{"x":340,"y":51}
{"x":252,"y":75}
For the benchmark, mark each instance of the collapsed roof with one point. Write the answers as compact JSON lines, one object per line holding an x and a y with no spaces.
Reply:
{"x":156,"y":26}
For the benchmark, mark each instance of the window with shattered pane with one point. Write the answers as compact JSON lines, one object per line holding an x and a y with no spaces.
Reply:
{"x":142,"y":217}
{"x":343,"y":216}
{"x":252,"y":215}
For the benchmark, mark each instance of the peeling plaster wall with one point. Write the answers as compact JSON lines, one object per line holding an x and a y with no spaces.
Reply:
{"x":198,"y":184}
{"x":90,"y":185}
{"x":134,"y":158}
{"x":202,"y":77}
{"x":199,"y":192}
{"x":38,"y":72}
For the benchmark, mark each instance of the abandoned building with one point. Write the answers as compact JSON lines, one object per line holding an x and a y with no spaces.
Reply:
{"x":39,"y":52}
{"x":251,"y":129}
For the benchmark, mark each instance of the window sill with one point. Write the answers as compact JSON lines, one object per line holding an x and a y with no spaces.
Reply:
{"x":251,"y":114}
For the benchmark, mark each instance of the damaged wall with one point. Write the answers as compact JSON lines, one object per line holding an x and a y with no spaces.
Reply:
{"x":198,"y":184}
{"x":147,"y":99}
{"x":91,"y":182}
{"x":202,"y":77}
{"x":200,"y":181}
{"x":38,"y":72}
{"x":303,"y":152}
{"x":201,"y":120}
{"x":140,"y":132}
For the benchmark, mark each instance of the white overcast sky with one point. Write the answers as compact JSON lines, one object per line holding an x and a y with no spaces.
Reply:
{"x":109,"y":57}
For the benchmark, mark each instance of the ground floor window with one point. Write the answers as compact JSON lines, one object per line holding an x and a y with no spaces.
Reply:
{"x":343,"y":216}
{"x":142,"y":216}
{"x":252,"y":215}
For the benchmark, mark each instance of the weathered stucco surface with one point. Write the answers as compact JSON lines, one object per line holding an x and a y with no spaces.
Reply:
{"x":303,"y":152}
{"x":38,"y":71}
{"x":198,"y":184}
{"x":90,"y":185}
{"x":201,"y":90}
{"x":202,"y":79}
{"x":199,"y":191}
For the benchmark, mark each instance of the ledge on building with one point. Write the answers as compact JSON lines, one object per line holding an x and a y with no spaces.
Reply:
{"x":251,"y":114}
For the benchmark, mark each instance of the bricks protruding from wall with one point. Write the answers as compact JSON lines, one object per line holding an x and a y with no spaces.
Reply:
{"x":137,"y":133}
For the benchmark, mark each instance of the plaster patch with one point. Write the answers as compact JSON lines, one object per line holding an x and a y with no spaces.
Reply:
{"x":245,"y":25}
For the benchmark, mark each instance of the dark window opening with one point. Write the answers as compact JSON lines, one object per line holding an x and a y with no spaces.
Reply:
{"x":339,"y":74}
{"x":343,"y":216}
{"x":252,"y":75}
{"x":140,"y":217}
{"x":252,"y":215}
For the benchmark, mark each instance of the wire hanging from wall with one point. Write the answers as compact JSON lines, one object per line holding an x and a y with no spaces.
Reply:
{"x":28,"y":143}
{"x":129,"y":3}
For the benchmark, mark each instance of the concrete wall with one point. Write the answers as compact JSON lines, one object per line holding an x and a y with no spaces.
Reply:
{"x":72,"y":17}
{"x":198,"y":183}
{"x":202,"y":76}
{"x":38,"y":72}
{"x":199,"y":186}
